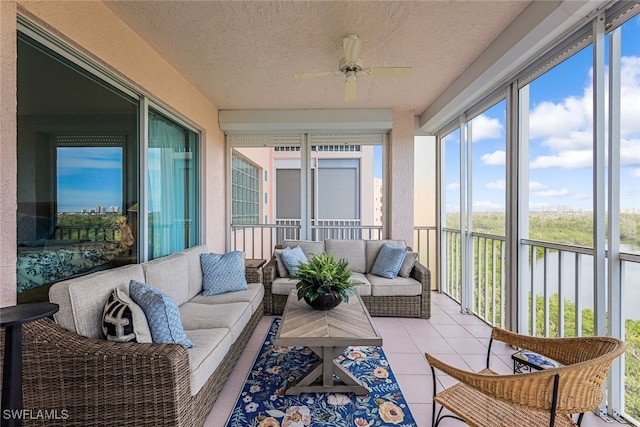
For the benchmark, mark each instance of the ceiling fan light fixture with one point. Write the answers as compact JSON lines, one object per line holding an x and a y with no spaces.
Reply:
{"x":350,"y":76}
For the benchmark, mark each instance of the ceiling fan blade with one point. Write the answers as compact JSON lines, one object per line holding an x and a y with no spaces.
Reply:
{"x":351,"y":44}
{"x":350,"y":89}
{"x":388,"y":71}
{"x":318,"y":75}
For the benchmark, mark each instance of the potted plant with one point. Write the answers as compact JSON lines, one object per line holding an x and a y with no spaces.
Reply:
{"x":324,"y":282}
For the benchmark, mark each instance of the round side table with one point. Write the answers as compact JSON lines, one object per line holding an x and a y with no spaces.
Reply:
{"x":12,"y":319}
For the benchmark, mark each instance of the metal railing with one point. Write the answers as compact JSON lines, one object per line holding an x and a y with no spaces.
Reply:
{"x":87,"y":232}
{"x":488,"y":273}
{"x":258,"y":240}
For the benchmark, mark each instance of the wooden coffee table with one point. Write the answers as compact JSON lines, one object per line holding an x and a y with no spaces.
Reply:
{"x":327,"y":333}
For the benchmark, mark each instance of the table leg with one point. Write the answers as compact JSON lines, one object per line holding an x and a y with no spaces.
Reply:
{"x":325,"y":369}
{"x":12,"y":377}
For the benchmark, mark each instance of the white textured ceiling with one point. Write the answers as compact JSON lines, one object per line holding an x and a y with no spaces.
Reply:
{"x":244,"y":54}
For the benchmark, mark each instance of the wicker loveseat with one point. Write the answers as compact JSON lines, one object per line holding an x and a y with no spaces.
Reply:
{"x":548,"y":397}
{"x":399,"y":297}
{"x":94,"y":382}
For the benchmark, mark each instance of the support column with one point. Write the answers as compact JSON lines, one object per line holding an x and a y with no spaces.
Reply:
{"x":399,"y":177}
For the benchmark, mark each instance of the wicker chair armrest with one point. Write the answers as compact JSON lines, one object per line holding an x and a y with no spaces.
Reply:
{"x":93,"y":379}
{"x":270,"y":272}
{"x":422,"y":275}
{"x":567,"y":351}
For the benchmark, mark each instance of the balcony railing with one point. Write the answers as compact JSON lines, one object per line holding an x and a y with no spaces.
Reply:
{"x":87,"y":232}
{"x":258,"y":240}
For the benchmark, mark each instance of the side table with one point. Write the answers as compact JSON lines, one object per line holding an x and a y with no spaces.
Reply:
{"x":12,"y":319}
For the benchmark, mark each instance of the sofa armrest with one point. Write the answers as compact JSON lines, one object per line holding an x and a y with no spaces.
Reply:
{"x":423,"y":275}
{"x":269,"y":274}
{"x":95,"y":382}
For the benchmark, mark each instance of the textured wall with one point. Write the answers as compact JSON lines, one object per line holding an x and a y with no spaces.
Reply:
{"x":92,"y":28}
{"x":400,"y":200}
{"x":8,"y":153}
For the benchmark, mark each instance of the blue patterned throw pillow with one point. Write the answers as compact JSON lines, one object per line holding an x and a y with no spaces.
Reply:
{"x":223,"y":273}
{"x":162,"y":314}
{"x":388,"y":261}
{"x":292,"y":258}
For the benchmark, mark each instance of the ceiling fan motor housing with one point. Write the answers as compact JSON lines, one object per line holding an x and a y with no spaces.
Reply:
{"x":350,"y":66}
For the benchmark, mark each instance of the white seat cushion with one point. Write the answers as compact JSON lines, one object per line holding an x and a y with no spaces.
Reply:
{"x":283,"y":285}
{"x":210,"y":346}
{"x":400,"y":286}
{"x":365,"y":287}
{"x":253,"y":296}
{"x":233,"y":316}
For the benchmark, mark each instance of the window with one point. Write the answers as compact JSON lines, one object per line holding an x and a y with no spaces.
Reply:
{"x":173,"y":172}
{"x":245,"y":191}
{"x":79,"y":176}
{"x":77,"y":154}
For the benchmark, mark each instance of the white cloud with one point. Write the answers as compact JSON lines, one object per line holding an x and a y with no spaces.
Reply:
{"x":635,"y":173}
{"x":552,"y":193}
{"x":483,"y":127}
{"x":566,"y":127}
{"x":497,"y":185}
{"x":542,"y":190}
{"x":487,"y":205}
{"x":453,"y":186}
{"x":564,"y":159}
{"x":536,"y":186}
{"x":497,"y":158}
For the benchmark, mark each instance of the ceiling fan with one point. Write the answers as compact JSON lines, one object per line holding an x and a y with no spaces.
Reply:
{"x":351,"y":65}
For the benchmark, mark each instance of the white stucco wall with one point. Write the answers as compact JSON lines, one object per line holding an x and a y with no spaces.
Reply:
{"x":8,"y":162}
{"x":91,"y":28}
{"x":400,"y":178}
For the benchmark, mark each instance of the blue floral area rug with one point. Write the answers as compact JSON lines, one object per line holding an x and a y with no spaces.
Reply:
{"x":262,"y":402}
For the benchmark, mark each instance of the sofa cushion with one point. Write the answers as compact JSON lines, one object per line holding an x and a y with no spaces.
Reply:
{"x":351,"y":250}
{"x":372,"y":247}
{"x":253,"y":295}
{"x":400,"y":286}
{"x":364,"y":287}
{"x":282,"y":269}
{"x":162,"y":314}
{"x":223,"y":273}
{"x":388,"y":261}
{"x":233,"y":316}
{"x":293,"y":258}
{"x":123,"y":320}
{"x":210,"y":346}
{"x":195,"y":269}
{"x":82,"y":299}
{"x":309,"y":247}
{"x":169,"y":274}
{"x":282,"y":285}
{"x":410,"y":259}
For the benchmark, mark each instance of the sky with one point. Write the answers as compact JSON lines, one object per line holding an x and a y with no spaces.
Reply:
{"x":89,"y":176}
{"x":560,"y":150}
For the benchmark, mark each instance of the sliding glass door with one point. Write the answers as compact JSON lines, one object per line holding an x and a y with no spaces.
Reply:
{"x":173,"y":217}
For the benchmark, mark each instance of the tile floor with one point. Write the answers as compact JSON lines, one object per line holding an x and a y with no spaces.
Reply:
{"x":458,"y":339}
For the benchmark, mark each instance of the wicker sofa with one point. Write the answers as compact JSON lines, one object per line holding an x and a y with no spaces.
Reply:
{"x":398,"y":297}
{"x":68,"y":366}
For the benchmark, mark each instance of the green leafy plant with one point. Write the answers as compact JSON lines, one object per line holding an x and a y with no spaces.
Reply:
{"x":322,"y":274}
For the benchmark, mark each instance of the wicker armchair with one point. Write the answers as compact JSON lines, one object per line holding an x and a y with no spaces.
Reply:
{"x":547,"y":397}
